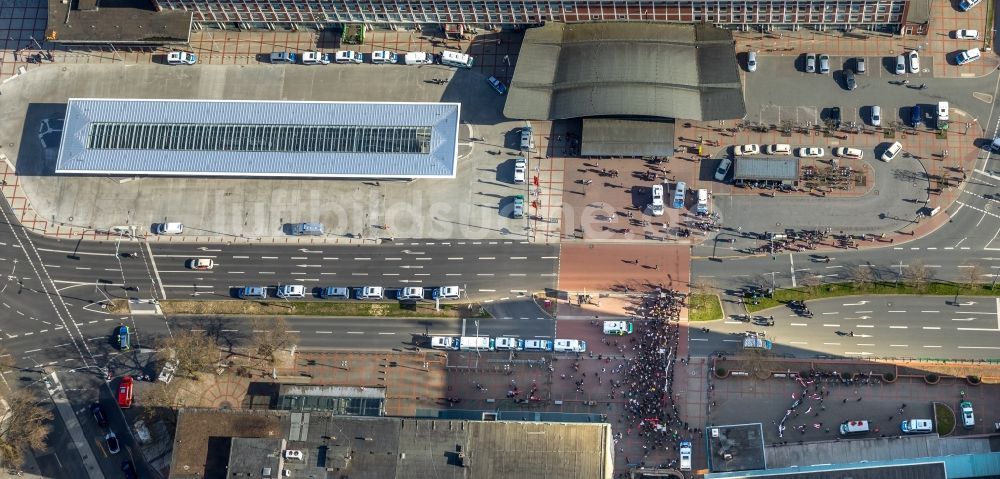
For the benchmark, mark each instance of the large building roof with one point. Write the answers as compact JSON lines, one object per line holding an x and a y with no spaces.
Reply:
{"x":626,"y":69}
{"x":259,"y":138}
{"x":387,"y":448}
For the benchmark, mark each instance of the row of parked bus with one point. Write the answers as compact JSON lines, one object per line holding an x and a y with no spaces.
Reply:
{"x":486,"y":343}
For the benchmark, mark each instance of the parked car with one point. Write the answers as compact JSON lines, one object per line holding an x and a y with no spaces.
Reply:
{"x":446,"y":292}
{"x":200,"y":263}
{"x":287,"y":291}
{"x":181,"y":58}
{"x":845,"y":152}
{"x":411,"y":292}
{"x":966,"y":5}
{"x":824,"y":63}
{"x":122,"y":338}
{"x":128,"y":469}
{"x":891,"y":152}
{"x":751,"y":61}
{"x":968,"y":418}
{"x":315,"y":58}
{"x":778,"y":149}
{"x":965,"y":34}
{"x":169,"y":228}
{"x":371,"y":292}
{"x":258,"y":292}
{"x":916,"y":116}
{"x":742,"y":150}
{"x":125,"y":393}
{"x":282,"y":57}
{"x":112,"y":440}
{"x":497,"y":85}
{"x":914,"y":61}
{"x":99,"y":416}
{"x":810,"y":63}
{"x":835,"y":116}
{"x":348,"y":56}
{"x":685,"y":451}
{"x":859,"y":66}
{"x":518,"y":207}
{"x":849,"y":80}
{"x":917,"y":426}
{"x":384,"y":56}
{"x":811,"y":152}
{"x":968,"y":56}
{"x":900,"y":64}
{"x":876,"y":116}
{"x":520,"y":170}
{"x":995,"y":145}
{"x":723,"y":169}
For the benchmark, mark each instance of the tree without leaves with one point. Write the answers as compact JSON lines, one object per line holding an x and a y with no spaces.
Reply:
{"x":268,"y":337}
{"x":7,"y":361}
{"x":811,"y":283}
{"x":973,"y":272}
{"x":861,"y":275}
{"x":918,"y":275}
{"x":160,"y":402}
{"x":194,"y":352}
{"x":23,"y":424}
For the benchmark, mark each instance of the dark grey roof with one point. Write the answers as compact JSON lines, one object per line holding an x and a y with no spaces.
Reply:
{"x":134,"y":25}
{"x":737,"y":447}
{"x":259,"y":138}
{"x":626,"y":69}
{"x":387,"y":448}
{"x":918,"y":11}
{"x":773,"y":169}
{"x":614,"y":137}
{"x":250,"y":457}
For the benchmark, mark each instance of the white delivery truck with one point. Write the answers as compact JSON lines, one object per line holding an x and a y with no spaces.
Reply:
{"x":475,"y":343}
{"x":456,"y":59}
{"x":449,"y":343}
{"x":418,"y":58}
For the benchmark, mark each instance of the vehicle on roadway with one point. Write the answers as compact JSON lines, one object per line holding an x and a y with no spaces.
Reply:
{"x":411,"y":292}
{"x":125,"y":393}
{"x":287,"y":291}
{"x":965,"y":34}
{"x":966,"y":5}
{"x":181,"y":58}
{"x":518,"y":207}
{"x":968,"y":56}
{"x":128,"y":469}
{"x":742,"y":150}
{"x":418,"y":58}
{"x":914,"y":58}
{"x":315,"y":58}
{"x":122,"y":338}
{"x":112,"y":440}
{"x":890,"y":153}
{"x":371,"y":292}
{"x":618,"y":328}
{"x":497,"y":85}
{"x":99,"y":416}
{"x":685,"y":450}
{"x":446,"y":292}
{"x":968,"y":418}
{"x":200,"y":263}
{"x":537,"y":345}
{"x":169,"y":228}
{"x":810,"y":62}
{"x":258,"y":292}
{"x":380,"y":57}
{"x":508,"y":344}
{"x":348,"y":56}
{"x":335,"y":292}
{"x":307,"y":229}
{"x":995,"y":145}
{"x":520,"y":170}
{"x":845,"y":152}
{"x":723,"y":169}
{"x":569,"y":346}
{"x":811,"y":152}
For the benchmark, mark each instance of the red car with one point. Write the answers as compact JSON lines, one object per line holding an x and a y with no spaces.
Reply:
{"x":125,"y":392}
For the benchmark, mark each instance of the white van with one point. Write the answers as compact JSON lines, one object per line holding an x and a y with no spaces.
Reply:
{"x":371,"y":292}
{"x":685,"y":450}
{"x":679,"y":195}
{"x":570,"y":346}
{"x":656,"y":207}
{"x":854,"y":428}
{"x":381,"y":57}
{"x":702,"y":207}
{"x":890,"y":153}
{"x":942,"y":111}
{"x":917,"y":426}
{"x":286,"y":291}
{"x":418,"y":58}
{"x":617,"y":328}
{"x":456,"y":59}
{"x":411,"y":292}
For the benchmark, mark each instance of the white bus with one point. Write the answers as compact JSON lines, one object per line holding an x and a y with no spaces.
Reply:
{"x":456,"y":59}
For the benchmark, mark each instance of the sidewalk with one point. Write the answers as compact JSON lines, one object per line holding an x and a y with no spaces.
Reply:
{"x":75,"y":430}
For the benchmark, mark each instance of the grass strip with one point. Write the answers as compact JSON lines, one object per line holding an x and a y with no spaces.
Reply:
{"x":704,"y":307}
{"x":834,"y":290}
{"x":312,"y":308}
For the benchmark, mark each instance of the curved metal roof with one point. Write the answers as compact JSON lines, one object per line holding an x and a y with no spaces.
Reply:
{"x":626,"y":69}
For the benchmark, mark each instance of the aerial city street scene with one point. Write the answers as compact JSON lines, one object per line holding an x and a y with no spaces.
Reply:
{"x":499,"y":239}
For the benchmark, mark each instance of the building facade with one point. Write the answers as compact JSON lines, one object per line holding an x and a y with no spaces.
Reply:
{"x":749,"y":14}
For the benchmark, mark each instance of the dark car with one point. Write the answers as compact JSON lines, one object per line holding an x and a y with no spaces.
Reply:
{"x":129,"y":470}
{"x":916,"y":116}
{"x":99,"y":416}
{"x":835,"y":116}
{"x":849,"y":80}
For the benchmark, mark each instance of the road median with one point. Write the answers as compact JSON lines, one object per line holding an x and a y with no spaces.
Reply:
{"x":806,"y":293}
{"x":311,"y":308}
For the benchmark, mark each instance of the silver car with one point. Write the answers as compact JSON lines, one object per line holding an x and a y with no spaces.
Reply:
{"x":810,"y":63}
{"x":900,"y":64}
{"x":824,"y":63}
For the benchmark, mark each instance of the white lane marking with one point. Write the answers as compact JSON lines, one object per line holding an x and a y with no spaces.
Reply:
{"x":241,"y":257}
{"x":362,"y":259}
{"x":268,"y":257}
{"x":898,"y":327}
{"x":355,"y":332}
{"x":456,"y":259}
{"x":487,"y":291}
{"x":931,"y":327}
{"x":550,"y":257}
{"x":359,"y":274}
{"x":899,"y":345}
{"x":865,"y":344}
{"x":330,"y":258}
{"x":794,"y":324}
{"x":798,"y":342}
{"x":518,"y":257}
{"x":931,"y":346}
{"x":979,"y":347}
{"x":299,"y":257}
{"x":896,"y":311}
{"x":963,"y":319}
{"x":484,"y":274}
{"x":394,"y":259}
{"x":930,"y":311}
{"x":832,"y":344}
{"x":487,"y":257}
{"x":825,"y":325}
{"x":864,"y":326}
{"x":791,"y":265}
{"x":385,"y":334}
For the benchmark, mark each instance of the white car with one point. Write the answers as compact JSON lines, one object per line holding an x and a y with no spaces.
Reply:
{"x":371,"y":292}
{"x":965,"y":34}
{"x":968,"y":56}
{"x":779,"y":149}
{"x":846,"y":152}
{"x":520,"y":170}
{"x":751,"y":61}
{"x":900,"y":64}
{"x":169,"y":228}
{"x":741,"y":150}
{"x":890,"y":153}
{"x":201,"y":263}
{"x":446,"y":292}
{"x":723,"y":169}
{"x":291,"y":291}
{"x":348,"y":56}
{"x":384,"y":56}
{"x":112,"y":440}
{"x":315,"y":58}
{"x":811,"y":152}
{"x":506,"y":344}
{"x":411,"y":292}
{"x":914,"y":61}
{"x":181,"y":58}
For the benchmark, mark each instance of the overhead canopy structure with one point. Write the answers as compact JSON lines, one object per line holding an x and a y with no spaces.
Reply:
{"x":259,"y":138}
{"x":626,"y":69}
{"x":621,"y":137}
{"x":123,"y":22}
{"x":766,"y":169}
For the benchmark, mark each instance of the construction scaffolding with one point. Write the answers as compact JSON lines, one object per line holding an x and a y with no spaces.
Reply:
{"x":746,"y":15}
